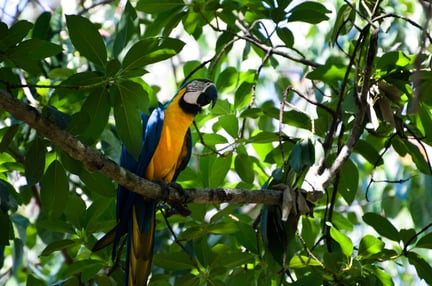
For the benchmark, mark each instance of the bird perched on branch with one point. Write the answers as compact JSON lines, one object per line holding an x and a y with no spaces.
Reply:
{"x":165,"y":152}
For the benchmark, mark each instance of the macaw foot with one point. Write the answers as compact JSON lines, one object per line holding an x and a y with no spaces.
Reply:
{"x":178,"y":205}
{"x":295,"y":201}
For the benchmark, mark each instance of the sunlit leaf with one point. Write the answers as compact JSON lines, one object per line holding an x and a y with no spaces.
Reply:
{"x":230,"y":124}
{"x":370,"y":245}
{"x":300,"y":261}
{"x":329,"y":73}
{"x":343,"y":240}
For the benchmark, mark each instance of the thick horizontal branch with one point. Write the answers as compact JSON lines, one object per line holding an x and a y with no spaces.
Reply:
{"x":94,"y":160}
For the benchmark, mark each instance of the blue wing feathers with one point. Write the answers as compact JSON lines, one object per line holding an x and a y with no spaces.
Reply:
{"x":152,"y":128}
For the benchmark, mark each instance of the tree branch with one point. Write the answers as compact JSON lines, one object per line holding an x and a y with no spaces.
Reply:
{"x":94,"y":160}
{"x":358,"y":126}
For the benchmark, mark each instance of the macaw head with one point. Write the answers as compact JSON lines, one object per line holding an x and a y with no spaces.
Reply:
{"x":196,"y":94}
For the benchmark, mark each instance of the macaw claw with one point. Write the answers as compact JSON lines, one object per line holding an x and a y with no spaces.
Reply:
{"x":178,"y":205}
{"x":294,"y":201}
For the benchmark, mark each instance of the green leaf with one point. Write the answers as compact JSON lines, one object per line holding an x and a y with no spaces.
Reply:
{"x":75,"y":210}
{"x":7,"y":198}
{"x":294,"y":158}
{"x":246,"y":236}
{"x":223,"y":228}
{"x":54,"y":190}
{"x":424,"y":270}
{"x":58,"y":245}
{"x":425,"y":241}
{"x":34,"y":163}
{"x":233,"y":260}
{"x":243,"y":95}
{"x":344,"y":22}
{"x":384,"y":277}
{"x":227,"y":79}
{"x":15,"y":34}
{"x":7,"y":229}
{"x":309,"y":12}
{"x":7,"y":137}
{"x":426,"y":121}
{"x":370,"y":245}
{"x":86,"y":39}
{"x":17,"y":254}
{"x":368,"y":152}
{"x":213,"y":138}
{"x":343,"y":240}
{"x":230,"y":124}
{"x":382,"y":226}
{"x":218,"y":171}
{"x":301,"y":261}
{"x":33,"y":281}
{"x":151,"y":50}
{"x":286,"y":36}
{"x":97,"y":108}
{"x":349,"y":181}
{"x":418,"y":157}
{"x":42,"y":29}
{"x":97,"y":182}
{"x":264,"y":137}
{"x":173,"y":261}
{"x":329,"y":73}
{"x":156,"y":7}
{"x":202,"y":250}
{"x":127,"y":29}
{"x":86,"y":268}
{"x":128,"y":120}
{"x":79,"y":84}
{"x":244,"y":168}
{"x":391,"y":60}
{"x":33,"y":49}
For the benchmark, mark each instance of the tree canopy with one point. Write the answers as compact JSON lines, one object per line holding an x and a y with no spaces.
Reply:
{"x":330,"y":98}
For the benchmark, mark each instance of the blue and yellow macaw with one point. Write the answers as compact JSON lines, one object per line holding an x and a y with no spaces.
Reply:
{"x":166,"y":150}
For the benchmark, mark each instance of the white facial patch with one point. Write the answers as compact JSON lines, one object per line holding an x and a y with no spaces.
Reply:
{"x":194,"y":90}
{"x":191,"y":97}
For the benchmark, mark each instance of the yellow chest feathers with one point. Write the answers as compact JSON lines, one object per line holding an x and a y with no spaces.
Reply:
{"x":172,"y":147}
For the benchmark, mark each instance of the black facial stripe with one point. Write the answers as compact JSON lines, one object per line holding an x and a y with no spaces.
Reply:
{"x":189,"y":108}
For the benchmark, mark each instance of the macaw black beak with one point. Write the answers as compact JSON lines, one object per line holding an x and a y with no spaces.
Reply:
{"x":209,"y":95}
